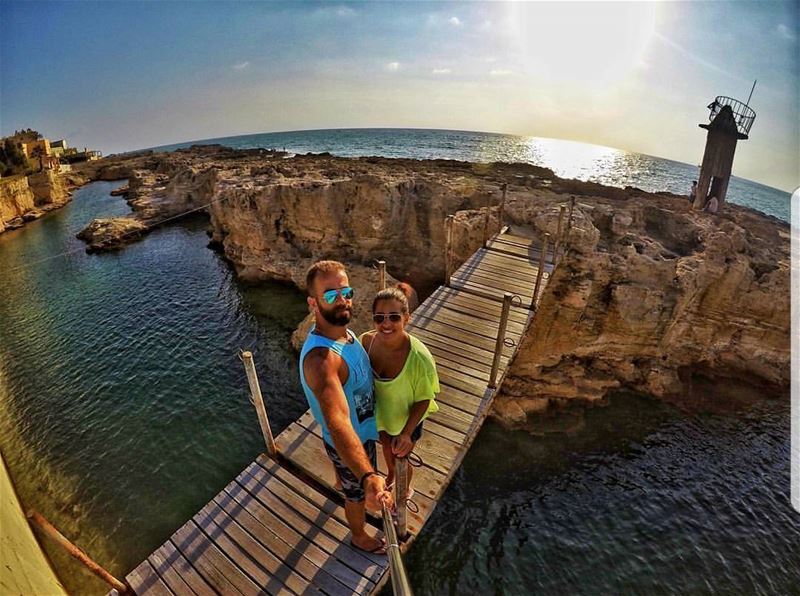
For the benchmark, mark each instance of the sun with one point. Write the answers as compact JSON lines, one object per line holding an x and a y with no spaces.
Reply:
{"x":591,"y":43}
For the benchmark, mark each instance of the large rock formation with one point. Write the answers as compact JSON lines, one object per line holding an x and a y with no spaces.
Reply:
{"x":25,"y":198}
{"x":652,"y":296}
{"x":660,"y":299}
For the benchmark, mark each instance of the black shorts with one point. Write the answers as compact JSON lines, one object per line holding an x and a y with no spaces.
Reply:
{"x":415,"y":435}
{"x":350,"y":487}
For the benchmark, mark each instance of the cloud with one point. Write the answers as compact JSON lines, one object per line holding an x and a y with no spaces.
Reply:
{"x":485,"y":25}
{"x":499,"y":72}
{"x":786,"y":33}
{"x":441,"y":71}
{"x":345,"y":12}
{"x":241,"y":65}
{"x":392,"y":66}
{"x":455,"y":22}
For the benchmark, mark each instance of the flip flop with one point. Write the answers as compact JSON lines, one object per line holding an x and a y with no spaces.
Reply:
{"x":378,"y":550}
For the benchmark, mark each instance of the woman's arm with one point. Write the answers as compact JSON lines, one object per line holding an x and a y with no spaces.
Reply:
{"x":402,"y":444}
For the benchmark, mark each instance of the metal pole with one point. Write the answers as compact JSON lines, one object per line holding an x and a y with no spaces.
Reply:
{"x":502,"y":207}
{"x":558,"y":233}
{"x":448,"y":257}
{"x":486,"y":223}
{"x":501,"y":337}
{"x":749,"y":97}
{"x":540,"y":274}
{"x":258,"y":402}
{"x":75,"y":552}
{"x":381,"y":275}
{"x":400,"y":493}
{"x":569,"y":220}
{"x":397,"y":570}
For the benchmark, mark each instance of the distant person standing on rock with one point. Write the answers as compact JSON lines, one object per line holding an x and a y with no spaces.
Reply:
{"x":693,"y":191}
{"x":712,"y":205}
{"x":337,"y":381}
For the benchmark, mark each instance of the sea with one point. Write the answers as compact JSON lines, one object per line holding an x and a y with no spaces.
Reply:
{"x":124,"y":409}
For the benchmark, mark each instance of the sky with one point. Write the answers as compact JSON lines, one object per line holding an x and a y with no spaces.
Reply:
{"x":119,"y":76}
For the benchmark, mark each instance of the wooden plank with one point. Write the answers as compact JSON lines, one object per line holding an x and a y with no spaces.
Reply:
{"x":462,"y":365}
{"x":480,"y":289}
{"x":531,"y":254}
{"x":311,"y":549}
{"x":456,"y":297}
{"x":475,"y":312}
{"x":355,"y":567}
{"x":145,"y":580}
{"x":498,"y":265}
{"x":452,"y":418}
{"x":514,"y":239}
{"x":440,"y":349}
{"x":434,"y":427}
{"x":270,"y":540}
{"x":248,"y":555}
{"x":217,"y":570}
{"x":177,"y":573}
{"x":465,"y":383}
{"x":509,"y":282}
{"x":473,"y":353}
{"x":459,"y":333}
{"x":320,"y":518}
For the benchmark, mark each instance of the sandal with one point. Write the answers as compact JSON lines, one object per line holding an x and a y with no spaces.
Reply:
{"x":378,"y":550}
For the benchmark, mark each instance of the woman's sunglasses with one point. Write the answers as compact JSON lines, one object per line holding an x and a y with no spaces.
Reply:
{"x":394,"y":317}
{"x":329,"y":296}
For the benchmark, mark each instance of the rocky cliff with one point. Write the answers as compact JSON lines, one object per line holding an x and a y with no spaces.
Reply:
{"x":652,"y":296}
{"x":659,"y":299}
{"x":23,"y":199}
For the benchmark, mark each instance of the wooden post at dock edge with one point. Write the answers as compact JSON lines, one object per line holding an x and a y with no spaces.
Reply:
{"x":448,"y":251}
{"x":486,"y":222}
{"x":400,"y":493}
{"x":540,"y":273}
{"x":75,"y":552}
{"x":258,"y":402}
{"x":558,"y":232}
{"x":502,"y":207}
{"x":501,"y":338}
{"x":381,"y":275}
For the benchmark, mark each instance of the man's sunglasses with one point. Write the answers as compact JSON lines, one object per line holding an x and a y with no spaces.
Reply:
{"x":329,"y":296}
{"x":394,"y":317}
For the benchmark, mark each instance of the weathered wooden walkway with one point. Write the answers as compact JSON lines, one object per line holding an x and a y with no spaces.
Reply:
{"x":279,"y":528}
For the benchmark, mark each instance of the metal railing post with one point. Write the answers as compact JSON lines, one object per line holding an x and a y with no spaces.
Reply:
{"x":258,"y":402}
{"x":381,"y":275}
{"x":400,"y":494}
{"x":540,"y":274}
{"x":501,"y":338}
{"x":486,"y":222}
{"x":502,"y":207}
{"x":569,"y":220}
{"x":558,"y":232}
{"x":448,"y":256}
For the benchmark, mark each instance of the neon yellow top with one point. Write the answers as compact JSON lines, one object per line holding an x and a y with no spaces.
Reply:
{"x":417,"y":381}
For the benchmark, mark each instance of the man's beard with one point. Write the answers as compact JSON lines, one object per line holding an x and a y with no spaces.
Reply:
{"x":339,"y":317}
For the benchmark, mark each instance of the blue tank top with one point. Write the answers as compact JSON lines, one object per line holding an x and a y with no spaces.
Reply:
{"x":357,"y":389}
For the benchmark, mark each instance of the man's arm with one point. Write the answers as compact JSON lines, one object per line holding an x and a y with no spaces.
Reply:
{"x":321,"y":368}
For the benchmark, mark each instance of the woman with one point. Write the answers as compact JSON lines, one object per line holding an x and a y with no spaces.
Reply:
{"x":405,"y":378}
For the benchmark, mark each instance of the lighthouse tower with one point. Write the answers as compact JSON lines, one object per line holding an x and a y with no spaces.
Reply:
{"x":729,"y":121}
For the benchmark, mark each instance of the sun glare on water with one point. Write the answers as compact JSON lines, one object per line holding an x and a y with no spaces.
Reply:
{"x":592,"y":43}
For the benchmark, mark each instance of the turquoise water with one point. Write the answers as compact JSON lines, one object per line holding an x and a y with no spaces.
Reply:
{"x":124,"y":409}
{"x":568,"y":159}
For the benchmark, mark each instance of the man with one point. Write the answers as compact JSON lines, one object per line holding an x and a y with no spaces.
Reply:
{"x":693,"y":191}
{"x":337,"y":382}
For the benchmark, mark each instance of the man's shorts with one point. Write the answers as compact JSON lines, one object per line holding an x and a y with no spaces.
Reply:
{"x":350,"y":487}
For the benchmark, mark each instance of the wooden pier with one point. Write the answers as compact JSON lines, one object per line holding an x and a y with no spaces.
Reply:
{"x":280,"y":528}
